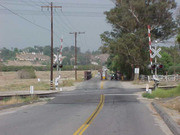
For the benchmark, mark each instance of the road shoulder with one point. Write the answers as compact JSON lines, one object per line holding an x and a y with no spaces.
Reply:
{"x":157,"y":118}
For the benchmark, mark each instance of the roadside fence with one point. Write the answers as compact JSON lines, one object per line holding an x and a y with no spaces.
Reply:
{"x":160,"y":77}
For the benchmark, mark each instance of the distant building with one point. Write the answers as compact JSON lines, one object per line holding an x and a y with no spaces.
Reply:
{"x":32,"y":57}
{"x":101,"y":58}
{"x":94,"y":63}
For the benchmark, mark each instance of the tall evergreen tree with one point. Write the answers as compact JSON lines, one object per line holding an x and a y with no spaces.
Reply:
{"x":127,"y":43}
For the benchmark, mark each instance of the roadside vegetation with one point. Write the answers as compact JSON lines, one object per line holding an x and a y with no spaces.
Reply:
{"x":127,"y":42}
{"x":37,"y":86}
{"x":18,"y":99}
{"x":161,"y":93}
{"x":25,"y":86}
{"x":4,"y":68}
{"x":11,"y":81}
{"x":26,"y":73}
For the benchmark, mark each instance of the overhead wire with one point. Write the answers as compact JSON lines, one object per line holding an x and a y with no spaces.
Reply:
{"x":24,"y":18}
{"x":65,"y":22}
{"x":48,"y":18}
{"x":72,"y":5}
{"x":64,"y":29}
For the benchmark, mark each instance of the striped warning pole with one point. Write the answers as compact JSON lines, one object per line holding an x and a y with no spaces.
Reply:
{"x":150,"y":51}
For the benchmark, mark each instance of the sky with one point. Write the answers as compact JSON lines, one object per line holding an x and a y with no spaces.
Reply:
{"x":75,"y":15}
{"x":31,"y":24}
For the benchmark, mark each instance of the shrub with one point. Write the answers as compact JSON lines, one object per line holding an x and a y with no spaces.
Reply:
{"x":27,"y":73}
{"x":174,"y":68}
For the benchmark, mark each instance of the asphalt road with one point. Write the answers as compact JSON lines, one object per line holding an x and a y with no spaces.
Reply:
{"x":94,"y":108}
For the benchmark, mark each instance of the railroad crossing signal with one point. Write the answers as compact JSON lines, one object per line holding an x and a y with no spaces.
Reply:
{"x":156,"y":53}
{"x":56,"y":59}
{"x":154,"y":66}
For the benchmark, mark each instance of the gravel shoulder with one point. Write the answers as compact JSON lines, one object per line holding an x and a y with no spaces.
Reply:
{"x":130,"y":84}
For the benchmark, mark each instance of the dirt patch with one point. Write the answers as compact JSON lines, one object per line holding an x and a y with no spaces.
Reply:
{"x":172,"y":103}
{"x":132,"y":84}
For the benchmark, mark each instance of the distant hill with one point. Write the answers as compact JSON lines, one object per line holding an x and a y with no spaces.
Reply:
{"x":39,"y":55}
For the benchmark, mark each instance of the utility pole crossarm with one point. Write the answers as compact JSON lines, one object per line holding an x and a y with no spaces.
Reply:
{"x":77,"y":32}
{"x":81,"y":32}
{"x":51,"y":6}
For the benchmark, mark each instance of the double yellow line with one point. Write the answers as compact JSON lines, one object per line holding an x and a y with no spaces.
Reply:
{"x":87,"y":123}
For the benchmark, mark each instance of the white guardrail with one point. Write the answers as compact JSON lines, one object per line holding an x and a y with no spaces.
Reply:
{"x":161,"y":77}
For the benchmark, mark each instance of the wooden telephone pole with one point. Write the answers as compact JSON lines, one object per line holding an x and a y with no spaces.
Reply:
{"x":75,"y":51}
{"x":51,"y":7}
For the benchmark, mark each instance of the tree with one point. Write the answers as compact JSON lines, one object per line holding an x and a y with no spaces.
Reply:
{"x":47,"y":51}
{"x":127,"y":43}
{"x":7,"y":54}
{"x":178,"y":38}
{"x":29,"y":49}
{"x":166,"y":60}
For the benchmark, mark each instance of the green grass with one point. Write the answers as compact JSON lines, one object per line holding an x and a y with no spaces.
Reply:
{"x":161,"y":93}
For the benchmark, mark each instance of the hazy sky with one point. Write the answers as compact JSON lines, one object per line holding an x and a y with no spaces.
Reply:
{"x":76,"y":15}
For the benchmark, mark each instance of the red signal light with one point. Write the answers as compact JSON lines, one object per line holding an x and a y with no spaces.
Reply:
{"x":61,"y":66}
{"x":153,"y":66}
{"x":160,"y":66}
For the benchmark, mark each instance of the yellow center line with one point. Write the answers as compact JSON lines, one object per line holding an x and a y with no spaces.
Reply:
{"x":87,"y":123}
{"x":102,"y":83}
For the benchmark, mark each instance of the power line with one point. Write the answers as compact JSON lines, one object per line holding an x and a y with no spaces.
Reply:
{"x":24,"y":18}
{"x":73,"y":14}
{"x":5,"y":8}
{"x":37,"y":6}
{"x":65,"y":23}
{"x":72,"y":5}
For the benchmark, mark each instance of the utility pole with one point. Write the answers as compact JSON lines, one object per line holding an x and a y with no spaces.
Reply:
{"x":52,"y":7}
{"x":75,"y":51}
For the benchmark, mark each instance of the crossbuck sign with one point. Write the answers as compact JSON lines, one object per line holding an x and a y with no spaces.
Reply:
{"x":55,"y":60}
{"x":156,"y":53}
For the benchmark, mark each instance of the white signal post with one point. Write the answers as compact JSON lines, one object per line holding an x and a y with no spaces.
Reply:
{"x":58,"y":60}
{"x":156,"y":53}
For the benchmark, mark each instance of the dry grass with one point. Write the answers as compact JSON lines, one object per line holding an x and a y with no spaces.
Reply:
{"x":66,"y":83}
{"x":178,"y":122}
{"x":173,"y":103}
{"x":168,"y":83}
{"x":9,"y":81}
{"x":13,"y":100}
{"x":17,"y":100}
